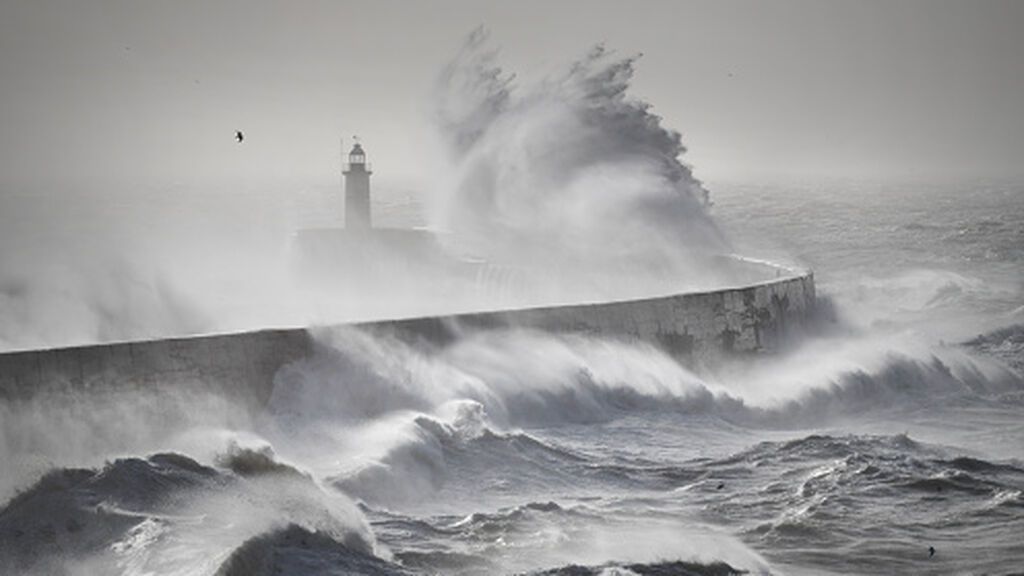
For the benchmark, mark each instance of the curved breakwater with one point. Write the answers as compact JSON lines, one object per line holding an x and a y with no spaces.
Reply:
{"x":697,"y":327}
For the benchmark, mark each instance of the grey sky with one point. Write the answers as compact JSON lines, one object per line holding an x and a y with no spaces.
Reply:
{"x":148,"y":94}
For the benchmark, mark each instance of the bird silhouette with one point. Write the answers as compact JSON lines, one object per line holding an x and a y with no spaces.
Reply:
{"x":931,"y":551}
{"x":239,"y":136}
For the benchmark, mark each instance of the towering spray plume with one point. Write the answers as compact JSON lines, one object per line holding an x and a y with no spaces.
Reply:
{"x":570,"y":169}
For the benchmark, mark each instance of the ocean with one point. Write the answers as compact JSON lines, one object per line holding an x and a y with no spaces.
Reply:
{"x":888,"y":441}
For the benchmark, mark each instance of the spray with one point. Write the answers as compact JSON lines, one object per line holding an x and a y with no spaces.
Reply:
{"x":569,"y":173}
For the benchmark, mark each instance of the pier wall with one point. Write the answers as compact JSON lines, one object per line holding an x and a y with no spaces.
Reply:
{"x":698,"y":327}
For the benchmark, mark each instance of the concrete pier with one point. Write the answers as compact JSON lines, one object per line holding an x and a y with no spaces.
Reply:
{"x":698,"y":328}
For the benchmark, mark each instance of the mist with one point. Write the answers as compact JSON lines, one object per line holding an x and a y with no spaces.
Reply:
{"x":564,"y":190}
{"x":98,"y":267}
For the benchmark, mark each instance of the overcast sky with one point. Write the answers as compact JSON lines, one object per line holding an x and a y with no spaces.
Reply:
{"x":146,"y":94}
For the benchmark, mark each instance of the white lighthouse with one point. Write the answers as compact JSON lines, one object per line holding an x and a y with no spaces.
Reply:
{"x":357,"y":190}
{"x":352,"y":258}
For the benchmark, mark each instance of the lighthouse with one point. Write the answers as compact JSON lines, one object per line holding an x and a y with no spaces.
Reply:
{"x":357,"y":190}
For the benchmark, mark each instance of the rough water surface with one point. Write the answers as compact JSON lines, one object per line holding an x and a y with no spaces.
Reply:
{"x":897,"y":430}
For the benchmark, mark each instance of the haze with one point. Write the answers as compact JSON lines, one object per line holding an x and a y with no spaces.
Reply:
{"x":136,"y":95}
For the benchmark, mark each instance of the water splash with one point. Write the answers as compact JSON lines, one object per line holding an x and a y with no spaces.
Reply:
{"x":570,"y":170}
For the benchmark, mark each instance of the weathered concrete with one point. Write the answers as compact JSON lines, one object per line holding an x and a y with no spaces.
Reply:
{"x":697,"y":327}
{"x":243,"y":364}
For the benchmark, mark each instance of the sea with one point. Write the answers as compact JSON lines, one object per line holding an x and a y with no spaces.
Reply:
{"x":888,"y":439}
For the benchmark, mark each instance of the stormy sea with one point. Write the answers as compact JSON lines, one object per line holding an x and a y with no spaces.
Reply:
{"x":896,"y":429}
{"x":888,"y":438}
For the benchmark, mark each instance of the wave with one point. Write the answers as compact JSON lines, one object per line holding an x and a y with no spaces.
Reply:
{"x":908,"y":298}
{"x":652,"y":569}
{"x":817,"y":480}
{"x":400,"y":425}
{"x":446,"y":562}
{"x":529,"y":378}
{"x":295,"y":550}
{"x":571,"y":162}
{"x":887,"y":382}
{"x":517,"y":376}
{"x":532,"y":537}
{"x":1006,"y":344}
{"x":85,"y":428}
{"x":429,"y":453}
{"x":76,"y":512}
{"x":436,"y":455}
{"x":780,"y":496}
{"x":166,"y":513}
{"x":256,"y":461}
{"x":406,"y":420}
{"x":481,"y":525}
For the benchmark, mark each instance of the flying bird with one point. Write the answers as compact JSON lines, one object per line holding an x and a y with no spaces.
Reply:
{"x":239,"y":136}
{"x":931,"y":551}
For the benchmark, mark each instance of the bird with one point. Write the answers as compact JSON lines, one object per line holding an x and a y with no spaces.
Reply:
{"x":931,"y":551}
{"x":239,"y":136}
{"x":720,"y":485}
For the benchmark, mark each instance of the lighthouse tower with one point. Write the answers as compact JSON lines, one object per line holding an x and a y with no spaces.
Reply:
{"x":357,"y":190}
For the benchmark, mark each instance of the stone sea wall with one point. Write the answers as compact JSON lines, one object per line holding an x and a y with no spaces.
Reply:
{"x":697,"y":327}
{"x":243,"y":364}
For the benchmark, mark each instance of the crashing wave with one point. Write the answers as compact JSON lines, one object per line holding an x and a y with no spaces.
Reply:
{"x":571,"y":162}
{"x":296,"y":551}
{"x":521,"y":377}
{"x":654,"y":569}
{"x":166,"y":513}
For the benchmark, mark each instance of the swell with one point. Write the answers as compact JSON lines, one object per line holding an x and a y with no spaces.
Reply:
{"x":452,"y":418}
{"x":652,"y":569}
{"x":906,"y":495}
{"x":786,"y":498}
{"x":76,"y":512}
{"x":167,"y":514}
{"x":295,"y":550}
{"x":434,"y":454}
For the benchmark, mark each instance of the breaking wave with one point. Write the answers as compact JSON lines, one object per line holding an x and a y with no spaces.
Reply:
{"x":399,"y":425}
{"x":570,"y":162}
{"x":168,"y":514}
{"x":418,"y":418}
{"x":519,"y":377}
{"x":295,"y":550}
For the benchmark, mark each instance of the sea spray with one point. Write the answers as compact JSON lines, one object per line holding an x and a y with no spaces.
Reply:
{"x":395,"y":422}
{"x":522,"y":377}
{"x":86,"y":427}
{"x":408,"y":427}
{"x":569,"y":173}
